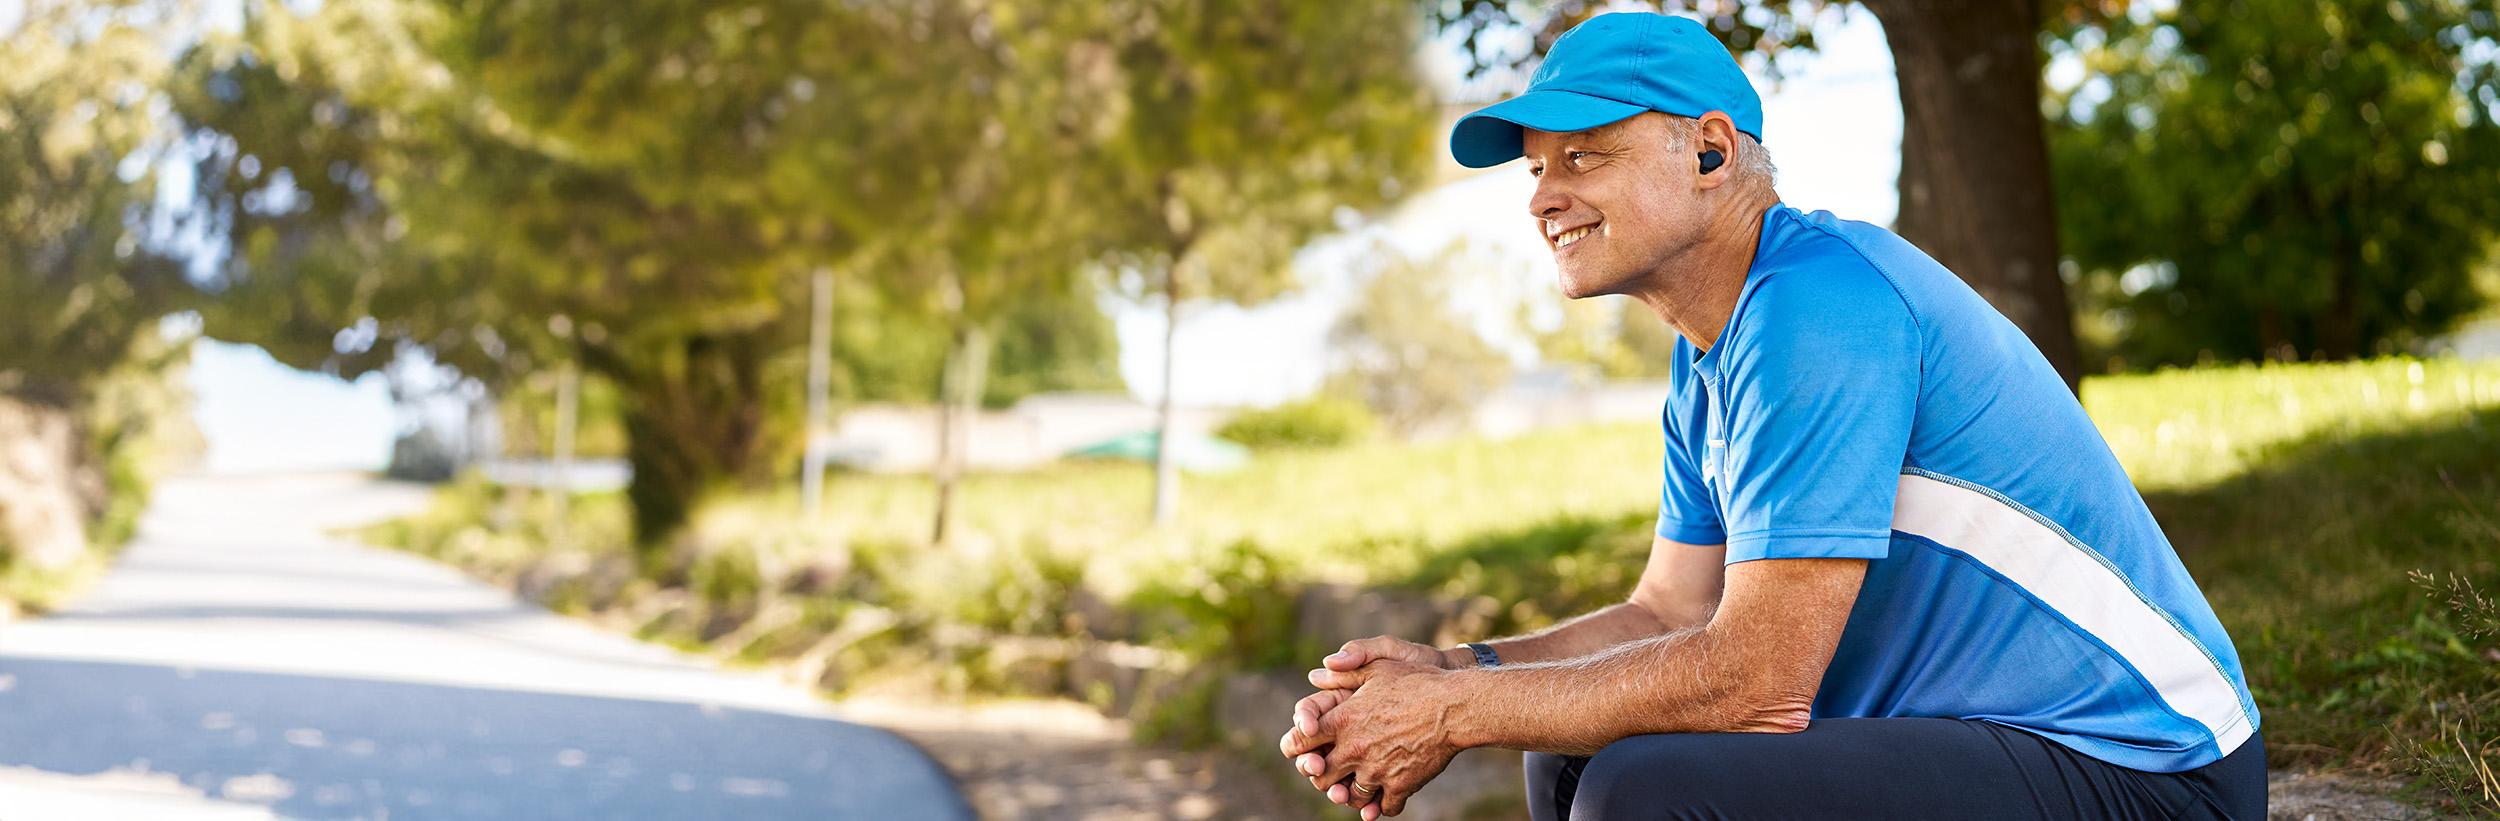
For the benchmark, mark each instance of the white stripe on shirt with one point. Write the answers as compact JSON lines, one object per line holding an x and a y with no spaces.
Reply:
{"x":2069,"y":579}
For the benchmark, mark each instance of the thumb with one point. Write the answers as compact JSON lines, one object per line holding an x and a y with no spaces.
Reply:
{"x":1351,"y":656}
{"x":1360,"y":652}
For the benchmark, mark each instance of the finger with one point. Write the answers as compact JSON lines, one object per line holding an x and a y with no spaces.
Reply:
{"x":1371,"y":812}
{"x":1306,"y":714}
{"x":1355,"y":795}
{"x":1341,"y":794}
{"x":1296,"y":742}
{"x":1353,"y":654}
{"x":1311,"y":764}
{"x":1327,"y":679}
{"x":1330,"y":724}
{"x":1360,"y":652}
{"x":1340,"y":764}
{"x":1306,"y":724}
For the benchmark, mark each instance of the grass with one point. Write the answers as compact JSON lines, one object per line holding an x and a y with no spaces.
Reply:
{"x":2342,"y":519}
{"x":2184,"y":429}
{"x":2315,"y":559}
{"x":1368,"y":512}
{"x":2304,"y":498}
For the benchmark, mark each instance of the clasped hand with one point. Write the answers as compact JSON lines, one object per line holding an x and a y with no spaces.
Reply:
{"x":1374,"y":733}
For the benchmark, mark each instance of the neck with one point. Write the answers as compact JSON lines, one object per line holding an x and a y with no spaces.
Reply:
{"x":1697,"y":292}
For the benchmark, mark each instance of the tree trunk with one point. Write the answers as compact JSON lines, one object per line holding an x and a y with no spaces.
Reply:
{"x":2339,"y":328}
{"x":819,"y":395}
{"x":693,"y":419}
{"x":967,"y":368}
{"x":568,"y":417}
{"x":1975,"y":187}
{"x":1167,"y":466}
{"x":2270,"y":335}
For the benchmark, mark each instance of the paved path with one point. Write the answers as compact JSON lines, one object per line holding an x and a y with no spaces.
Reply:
{"x":239,"y":664}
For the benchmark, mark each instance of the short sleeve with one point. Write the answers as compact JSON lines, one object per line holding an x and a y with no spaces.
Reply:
{"x":1823,"y":380}
{"x":1686,"y":512}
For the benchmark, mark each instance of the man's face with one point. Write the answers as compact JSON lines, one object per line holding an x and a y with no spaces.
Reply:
{"x":1616,"y":203}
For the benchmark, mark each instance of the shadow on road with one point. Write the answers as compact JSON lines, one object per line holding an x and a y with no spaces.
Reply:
{"x":319,"y":747}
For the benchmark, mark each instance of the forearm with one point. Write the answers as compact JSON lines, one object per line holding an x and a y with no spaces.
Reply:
{"x":1754,"y":666}
{"x":1681,"y":682}
{"x":1587,"y":635}
{"x":1679,"y":590}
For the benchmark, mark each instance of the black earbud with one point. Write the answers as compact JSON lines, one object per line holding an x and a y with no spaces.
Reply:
{"x":1711,"y":160}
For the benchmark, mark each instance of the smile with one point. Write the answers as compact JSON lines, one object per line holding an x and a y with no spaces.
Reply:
{"x":1572,"y":236}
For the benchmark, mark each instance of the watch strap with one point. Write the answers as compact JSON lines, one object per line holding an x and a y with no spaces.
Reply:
{"x":1485,"y":656}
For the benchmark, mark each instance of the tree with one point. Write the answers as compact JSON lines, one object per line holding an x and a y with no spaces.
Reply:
{"x":1615,"y":338}
{"x":1975,"y":184}
{"x":1405,"y":353}
{"x":363,"y":187}
{"x":2283,"y":178}
{"x":84,"y":280}
{"x":81,"y":278}
{"x":1228,"y":132}
{"x":662,"y":175}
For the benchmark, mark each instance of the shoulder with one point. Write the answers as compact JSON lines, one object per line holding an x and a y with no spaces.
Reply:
{"x":1818,"y":287}
{"x":1818,"y":267}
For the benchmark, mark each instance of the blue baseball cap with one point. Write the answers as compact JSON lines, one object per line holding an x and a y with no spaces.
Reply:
{"x":1606,"y":69}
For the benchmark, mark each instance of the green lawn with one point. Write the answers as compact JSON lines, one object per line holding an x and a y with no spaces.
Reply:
{"x":2301,"y":496}
{"x":1362,"y":513}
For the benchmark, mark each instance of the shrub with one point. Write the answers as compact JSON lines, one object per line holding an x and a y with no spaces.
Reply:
{"x":1317,"y":422}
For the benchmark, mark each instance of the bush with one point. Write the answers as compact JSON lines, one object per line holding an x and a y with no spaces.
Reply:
{"x":1317,"y":422}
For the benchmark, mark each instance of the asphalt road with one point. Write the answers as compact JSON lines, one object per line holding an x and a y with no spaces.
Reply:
{"x":239,"y":664}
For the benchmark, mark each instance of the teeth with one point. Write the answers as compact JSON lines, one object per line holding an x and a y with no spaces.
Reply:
{"x":1573,"y":236}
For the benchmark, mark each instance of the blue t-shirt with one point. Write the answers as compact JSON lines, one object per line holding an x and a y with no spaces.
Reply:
{"x":1863,"y":402}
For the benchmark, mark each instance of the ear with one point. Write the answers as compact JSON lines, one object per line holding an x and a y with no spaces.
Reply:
{"x":1717,"y":133}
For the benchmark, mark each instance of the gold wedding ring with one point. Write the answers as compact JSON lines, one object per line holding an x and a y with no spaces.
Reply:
{"x":1366,"y":790}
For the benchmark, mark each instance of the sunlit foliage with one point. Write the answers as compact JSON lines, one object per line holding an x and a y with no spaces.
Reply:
{"x":2281,"y":178}
{"x":81,"y":274}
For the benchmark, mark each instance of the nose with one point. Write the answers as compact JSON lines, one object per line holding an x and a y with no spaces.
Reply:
{"x":1549,"y":200}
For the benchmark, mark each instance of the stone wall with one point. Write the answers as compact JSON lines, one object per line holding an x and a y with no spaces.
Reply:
{"x":46,"y":493}
{"x":1252,"y":709}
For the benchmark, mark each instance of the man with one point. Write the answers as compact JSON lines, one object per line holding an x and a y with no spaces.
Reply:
{"x":1897,"y":572}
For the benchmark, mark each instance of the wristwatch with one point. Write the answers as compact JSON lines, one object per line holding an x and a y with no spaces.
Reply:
{"x":1485,"y":657}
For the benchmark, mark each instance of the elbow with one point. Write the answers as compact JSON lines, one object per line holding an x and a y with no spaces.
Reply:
{"x":1766,"y":710}
{"x":1778,"y":719}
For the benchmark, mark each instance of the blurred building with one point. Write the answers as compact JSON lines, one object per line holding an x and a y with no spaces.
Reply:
{"x":890,"y":438}
{"x":1537,"y":400}
{"x":886,"y":438}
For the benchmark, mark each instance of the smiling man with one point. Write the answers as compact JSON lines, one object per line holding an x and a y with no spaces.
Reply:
{"x":1897,"y":573}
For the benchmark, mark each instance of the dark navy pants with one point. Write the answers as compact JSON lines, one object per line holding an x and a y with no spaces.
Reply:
{"x":1878,"y":768}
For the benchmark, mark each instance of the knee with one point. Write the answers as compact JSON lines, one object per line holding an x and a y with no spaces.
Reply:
{"x":1659,"y":776}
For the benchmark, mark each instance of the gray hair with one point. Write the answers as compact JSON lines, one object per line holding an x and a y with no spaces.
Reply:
{"x":1753,"y":162}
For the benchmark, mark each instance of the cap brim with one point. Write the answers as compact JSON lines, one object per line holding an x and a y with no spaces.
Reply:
{"x":1491,"y":136}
